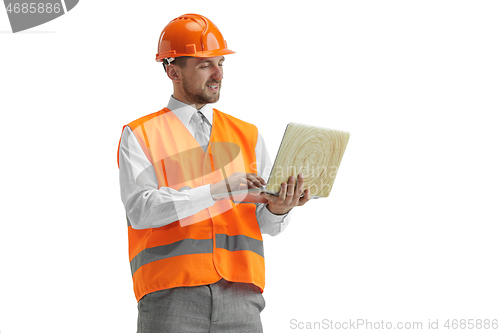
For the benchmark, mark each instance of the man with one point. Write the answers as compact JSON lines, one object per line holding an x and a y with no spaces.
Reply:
{"x":197,"y":262}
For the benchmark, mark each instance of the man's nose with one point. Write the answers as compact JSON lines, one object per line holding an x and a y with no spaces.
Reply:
{"x":217,"y":74}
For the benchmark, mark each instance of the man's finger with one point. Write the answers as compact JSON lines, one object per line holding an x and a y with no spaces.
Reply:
{"x":270,"y":197}
{"x":299,"y":189}
{"x":258,"y":182}
{"x":282,"y":195}
{"x":250,"y":184}
{"x":290,"y":186}
{"x":255,"y":180}
{"x":305,"y":198}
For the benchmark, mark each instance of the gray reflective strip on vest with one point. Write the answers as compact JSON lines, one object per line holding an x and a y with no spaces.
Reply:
{"x":182,"y":247}
{"x":239,"y":243}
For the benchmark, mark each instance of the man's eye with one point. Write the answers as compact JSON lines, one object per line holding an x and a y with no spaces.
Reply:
{"x":206,"y":66}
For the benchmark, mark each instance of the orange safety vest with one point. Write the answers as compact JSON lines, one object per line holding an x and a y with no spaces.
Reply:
{"x":222,"y":241}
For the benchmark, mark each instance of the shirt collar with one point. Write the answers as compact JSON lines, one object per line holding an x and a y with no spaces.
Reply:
{"x":184,"y":111}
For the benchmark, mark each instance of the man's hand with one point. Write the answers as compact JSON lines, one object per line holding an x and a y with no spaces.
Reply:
{"x":237,"y":181}
{"x":288,"y":197}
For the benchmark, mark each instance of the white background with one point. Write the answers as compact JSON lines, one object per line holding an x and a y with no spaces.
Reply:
{"x":411,"y":229}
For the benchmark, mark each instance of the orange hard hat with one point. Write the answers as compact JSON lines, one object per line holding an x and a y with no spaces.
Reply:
{"x":191,"y":35}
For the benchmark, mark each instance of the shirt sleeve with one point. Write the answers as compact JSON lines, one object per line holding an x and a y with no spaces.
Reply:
{"x":147,"y":206}
{"x":269,"y":223}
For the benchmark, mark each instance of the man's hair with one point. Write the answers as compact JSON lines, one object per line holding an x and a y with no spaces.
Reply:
{"x":179,"y":61}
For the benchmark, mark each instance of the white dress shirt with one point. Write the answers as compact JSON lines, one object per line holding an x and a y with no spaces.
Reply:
{"x":147,"y":206}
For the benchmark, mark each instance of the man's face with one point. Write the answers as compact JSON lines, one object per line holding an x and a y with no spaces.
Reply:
{"x":201,"y":80}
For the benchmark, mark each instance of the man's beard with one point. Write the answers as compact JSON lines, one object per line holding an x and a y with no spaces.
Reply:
{"x":200,"y":96}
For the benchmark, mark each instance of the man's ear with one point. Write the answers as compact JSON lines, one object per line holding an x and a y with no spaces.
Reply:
{"x":173,"y":73}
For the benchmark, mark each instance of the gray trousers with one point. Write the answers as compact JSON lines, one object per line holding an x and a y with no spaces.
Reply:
{"x":221,"y":307}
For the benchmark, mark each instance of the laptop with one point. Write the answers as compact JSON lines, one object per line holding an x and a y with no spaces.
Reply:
{"x":314,"y":151}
